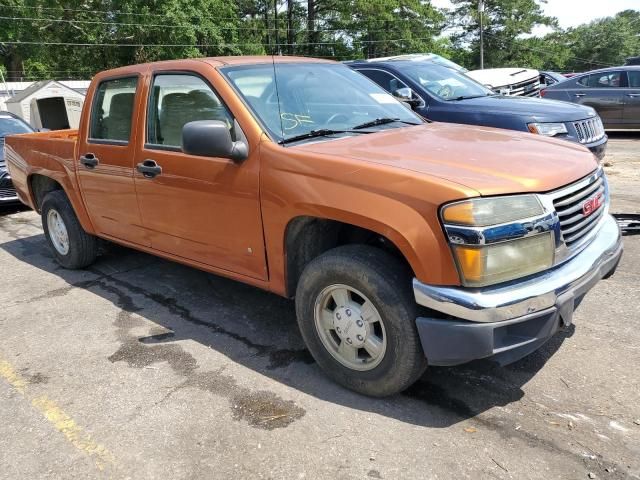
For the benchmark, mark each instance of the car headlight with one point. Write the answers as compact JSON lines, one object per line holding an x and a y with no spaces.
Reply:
{"x":547,"y":129}
{"x":480,"y":212}
{"x":493,"y":259}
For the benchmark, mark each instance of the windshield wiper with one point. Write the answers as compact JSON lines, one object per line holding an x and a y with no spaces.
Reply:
{"x":381,"y":121}
{"x":322,"y":132}
{"x":467,"y":97}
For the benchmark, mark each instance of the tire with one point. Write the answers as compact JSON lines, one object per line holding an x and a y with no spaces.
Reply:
{"x":81,"y":248}
{"x":374,"y":276}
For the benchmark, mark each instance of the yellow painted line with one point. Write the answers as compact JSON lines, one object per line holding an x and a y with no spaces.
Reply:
{"x":10,"y":375}
{"x":62,"y":422}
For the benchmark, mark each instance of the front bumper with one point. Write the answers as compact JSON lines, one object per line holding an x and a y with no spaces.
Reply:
{"x":510,"y":321}
{"x":599,"y":148}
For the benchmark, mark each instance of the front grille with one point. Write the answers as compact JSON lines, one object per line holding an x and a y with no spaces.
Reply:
{"x":575,"y":223}
{"x":528,"y":88}
{"x":589,"y":130}
{"x":7,"y":192}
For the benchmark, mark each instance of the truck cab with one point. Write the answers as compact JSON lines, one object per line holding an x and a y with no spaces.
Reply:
{"x":404,"y":243}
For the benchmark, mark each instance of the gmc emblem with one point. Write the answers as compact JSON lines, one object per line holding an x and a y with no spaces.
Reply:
{"x":592,"y":204}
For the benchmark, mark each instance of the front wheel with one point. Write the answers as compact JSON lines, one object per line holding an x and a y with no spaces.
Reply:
{"x":72,"y":247}
{"x":357,"y":315}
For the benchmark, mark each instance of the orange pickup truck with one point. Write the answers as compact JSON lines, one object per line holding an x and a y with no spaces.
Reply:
{"x":404,"y":243}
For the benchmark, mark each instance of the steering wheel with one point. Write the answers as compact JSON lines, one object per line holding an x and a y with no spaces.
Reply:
{"x":446,"y":91}
{"x":334,"y":117}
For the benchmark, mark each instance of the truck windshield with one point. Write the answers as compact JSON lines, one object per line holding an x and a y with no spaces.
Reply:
{"x":309,"y":97}
{"x":445,"y":83}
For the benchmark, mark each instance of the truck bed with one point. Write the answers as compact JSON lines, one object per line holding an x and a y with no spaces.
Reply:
{"x":47,"y":153}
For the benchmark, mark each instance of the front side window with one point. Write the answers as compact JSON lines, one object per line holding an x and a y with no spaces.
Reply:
{"x":177,"y":99}
{"x":634,"y":78}
{"x":113,"y":109}
{"x":384,"y":79}
{"x":292,"y":99}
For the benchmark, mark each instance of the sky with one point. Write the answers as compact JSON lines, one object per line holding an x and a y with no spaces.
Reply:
{"x":574,"y":12}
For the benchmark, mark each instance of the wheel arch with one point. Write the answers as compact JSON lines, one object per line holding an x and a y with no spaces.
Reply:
{"x":41,"y":184}
{"x":307,"y":237}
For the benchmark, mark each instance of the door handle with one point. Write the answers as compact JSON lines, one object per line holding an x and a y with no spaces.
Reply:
{"x":633,"y":94}
{"x":149,"y":168}
{"x":89,"y":160}
{"x":578,"y":94}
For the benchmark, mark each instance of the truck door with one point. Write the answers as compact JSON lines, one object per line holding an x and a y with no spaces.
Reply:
{"x":199,"y":208}
{"x":106,"y":160}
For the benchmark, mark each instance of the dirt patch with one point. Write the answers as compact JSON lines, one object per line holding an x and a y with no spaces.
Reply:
{"x":260,"y":409}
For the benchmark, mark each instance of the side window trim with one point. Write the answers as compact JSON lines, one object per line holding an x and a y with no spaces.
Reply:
{"x":94,"y":101}
{"x":149,"y":106}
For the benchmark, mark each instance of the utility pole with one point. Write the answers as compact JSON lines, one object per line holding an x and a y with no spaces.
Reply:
{"x":481,"y":13}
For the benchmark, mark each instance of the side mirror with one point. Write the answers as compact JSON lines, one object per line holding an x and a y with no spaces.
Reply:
{"x":211,"y":138}
{"x":407,"y":96}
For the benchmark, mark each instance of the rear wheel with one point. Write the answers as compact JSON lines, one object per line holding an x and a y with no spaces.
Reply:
{"x":72,"y":247}
{"x":357,"y":314}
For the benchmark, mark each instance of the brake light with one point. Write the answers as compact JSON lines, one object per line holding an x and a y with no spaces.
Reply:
{"x":543,"y":93}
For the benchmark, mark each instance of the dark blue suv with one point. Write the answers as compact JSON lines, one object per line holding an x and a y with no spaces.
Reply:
{"x":442,"y":94}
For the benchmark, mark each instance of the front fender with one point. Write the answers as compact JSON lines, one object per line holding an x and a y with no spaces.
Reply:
{"x":396,"y":204}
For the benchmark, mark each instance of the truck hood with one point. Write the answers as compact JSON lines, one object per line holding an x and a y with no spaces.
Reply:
{"x":501,"y":77}
{"x":488,"y":160}
{"x":539,"y":108}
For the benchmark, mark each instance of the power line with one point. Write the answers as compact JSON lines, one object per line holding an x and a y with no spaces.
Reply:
{"x":204,"y":45}
{"x":130,"y":24}
{"x":256,"y":28}
{"x":542,"y":50}
{"x":107,"y":12}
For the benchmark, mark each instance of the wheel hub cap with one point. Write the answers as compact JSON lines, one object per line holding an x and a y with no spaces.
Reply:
{"x":58,"y":232}
{"x":350,"y":326}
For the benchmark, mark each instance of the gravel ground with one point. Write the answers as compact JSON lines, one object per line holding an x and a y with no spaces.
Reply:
{"x":142,"y":368}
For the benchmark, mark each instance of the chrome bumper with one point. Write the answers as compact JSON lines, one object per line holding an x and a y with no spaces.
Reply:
{"x":553,"y":288}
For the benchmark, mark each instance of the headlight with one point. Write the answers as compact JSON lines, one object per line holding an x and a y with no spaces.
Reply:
{"x":547,"y":129}
{"x":480,"y":212}
{"x":481,"y":234}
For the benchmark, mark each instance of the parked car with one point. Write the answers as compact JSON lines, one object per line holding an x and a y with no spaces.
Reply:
{"x":550,"y":78}
{"x":10,"y":124}
{"x":404,"y":243}
{"x":633,"y":61}
{"x":613,"y":92}
{"x":505,"y":81}
{"x":442,"y":94}
{"x":509,"y":81}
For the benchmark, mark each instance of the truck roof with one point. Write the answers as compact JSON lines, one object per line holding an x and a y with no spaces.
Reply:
{"x":219,"y":62}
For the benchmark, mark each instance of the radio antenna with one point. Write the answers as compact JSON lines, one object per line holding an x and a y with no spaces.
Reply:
{"x":275,"y":84}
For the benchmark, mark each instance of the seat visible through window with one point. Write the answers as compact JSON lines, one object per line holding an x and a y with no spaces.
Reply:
{"x":117,"y":125}
{"x":181,"y":99}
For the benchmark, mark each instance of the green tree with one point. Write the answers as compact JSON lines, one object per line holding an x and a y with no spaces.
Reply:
{"x":603,"y":42}
{"x":505,"y":22}
{"x":389,"y":27}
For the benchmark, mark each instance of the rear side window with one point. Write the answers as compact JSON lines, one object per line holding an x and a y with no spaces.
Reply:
{"x":177,"y":99}
{"x":112,"y":110}
{"x":602,"y":80}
